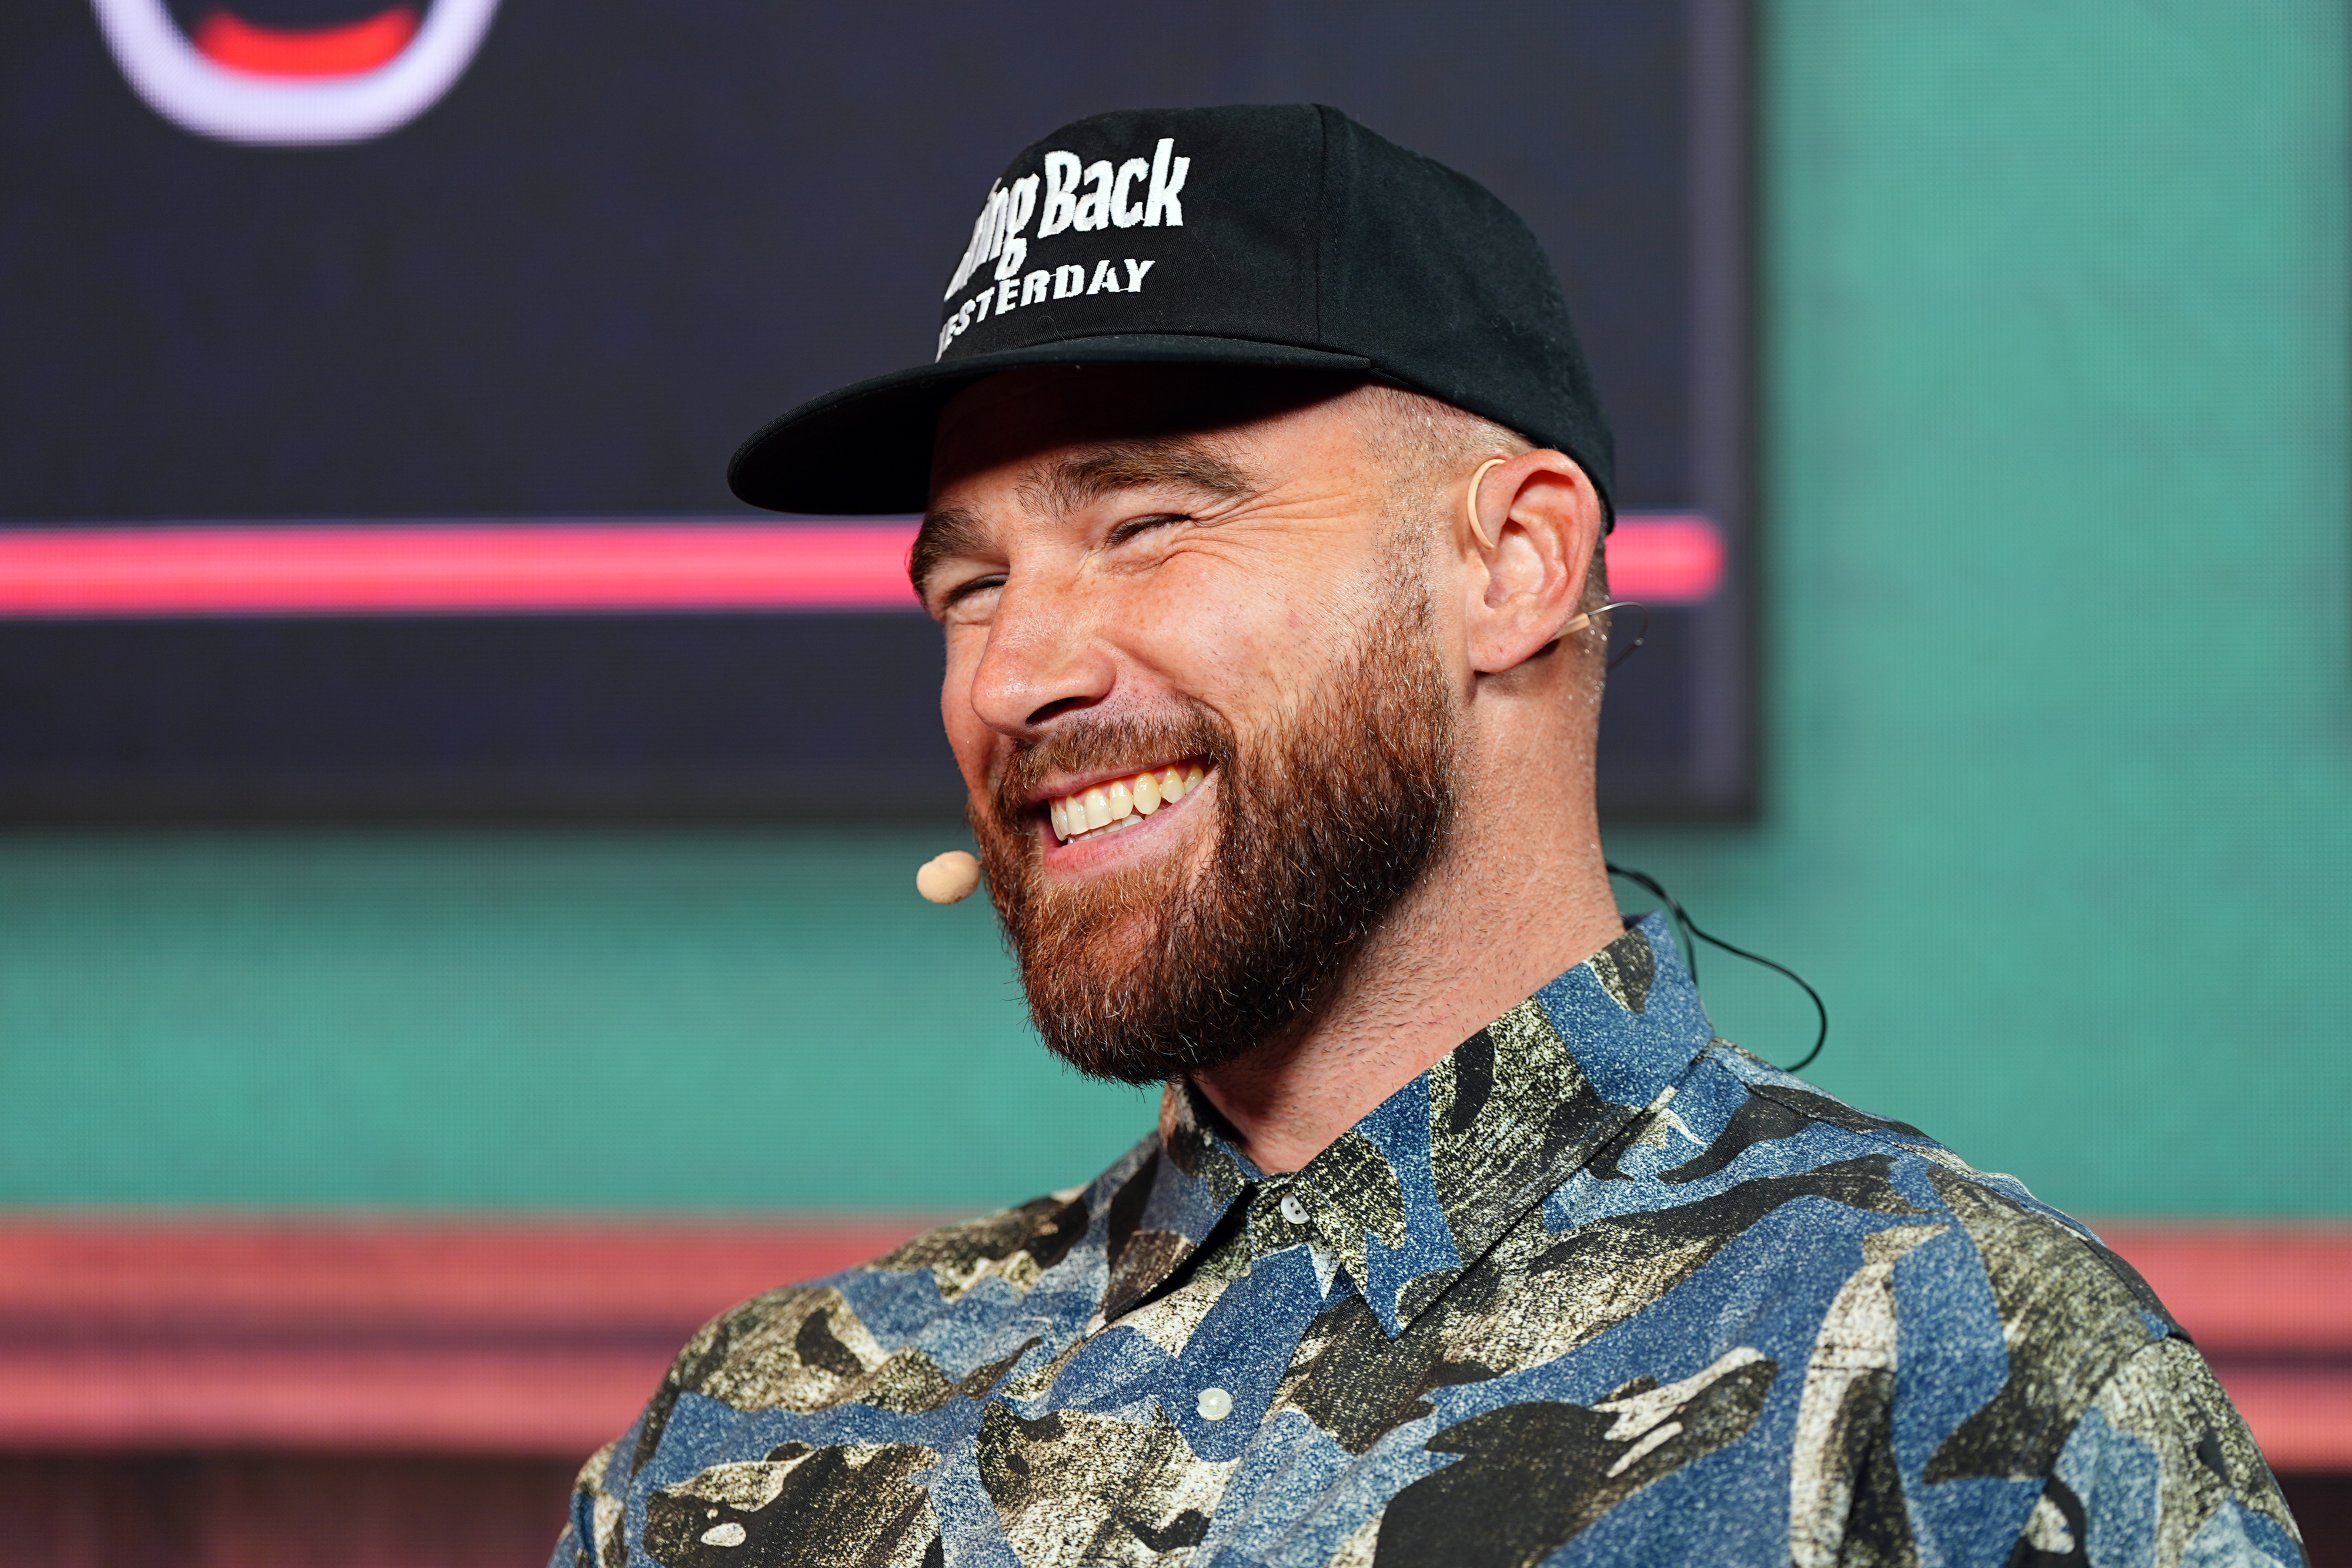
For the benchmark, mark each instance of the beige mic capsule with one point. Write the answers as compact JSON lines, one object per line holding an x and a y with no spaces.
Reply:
{"x":948,"y":878}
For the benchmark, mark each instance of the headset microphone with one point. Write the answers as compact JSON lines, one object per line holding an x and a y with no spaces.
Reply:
{"x":949,"y":878}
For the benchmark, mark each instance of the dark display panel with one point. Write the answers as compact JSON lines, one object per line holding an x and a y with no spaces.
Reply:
{"x":622,"y":238}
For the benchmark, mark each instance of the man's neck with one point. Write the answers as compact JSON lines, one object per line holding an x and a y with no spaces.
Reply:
{"x":1523,"y":896}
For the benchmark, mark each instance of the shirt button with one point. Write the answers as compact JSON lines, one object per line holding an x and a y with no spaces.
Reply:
{"x":1215,"y":1405}
{"x":1292,"y":1209}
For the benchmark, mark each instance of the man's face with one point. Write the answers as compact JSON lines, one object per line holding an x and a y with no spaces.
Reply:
{"x":1193,"y":684}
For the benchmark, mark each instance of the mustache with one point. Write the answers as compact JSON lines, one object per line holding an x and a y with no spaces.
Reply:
{"x":1087,"y":744}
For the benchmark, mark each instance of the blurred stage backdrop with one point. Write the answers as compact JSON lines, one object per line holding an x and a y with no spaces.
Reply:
{"x":457,"y":929}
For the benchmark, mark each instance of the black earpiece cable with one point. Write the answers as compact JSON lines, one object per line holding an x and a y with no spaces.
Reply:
{"x":1639,"y":637}
{"x":1690,"y":956}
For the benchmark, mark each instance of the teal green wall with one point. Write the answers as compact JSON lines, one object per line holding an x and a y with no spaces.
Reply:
{"x":2061,"y":761}
{"x":2060,"y":566}
{"x":728,"y":1019}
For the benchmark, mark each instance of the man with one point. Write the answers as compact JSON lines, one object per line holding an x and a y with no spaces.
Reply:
{"x":1265,"y":496}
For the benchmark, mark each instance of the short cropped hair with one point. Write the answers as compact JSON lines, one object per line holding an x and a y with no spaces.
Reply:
{"x":1429,"y":446}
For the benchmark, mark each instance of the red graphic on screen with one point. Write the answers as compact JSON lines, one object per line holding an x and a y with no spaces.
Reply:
{"x":344,"y":49}
{"x":294,"y":86}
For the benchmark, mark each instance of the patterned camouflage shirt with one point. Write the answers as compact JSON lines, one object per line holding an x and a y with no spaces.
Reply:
{"x":1597,"y":1288}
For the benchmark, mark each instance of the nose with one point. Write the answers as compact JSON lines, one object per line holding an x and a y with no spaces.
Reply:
{"x":1042,"y":660}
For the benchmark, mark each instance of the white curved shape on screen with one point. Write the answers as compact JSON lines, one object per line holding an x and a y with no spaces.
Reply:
{"x":194,"y":93}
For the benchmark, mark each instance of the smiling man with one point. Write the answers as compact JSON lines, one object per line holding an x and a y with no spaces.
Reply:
{"x":1265,"y":496}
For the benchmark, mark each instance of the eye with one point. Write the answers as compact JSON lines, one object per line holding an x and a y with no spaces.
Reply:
{"x":964,"y":596}
{"x":1134,"y":528}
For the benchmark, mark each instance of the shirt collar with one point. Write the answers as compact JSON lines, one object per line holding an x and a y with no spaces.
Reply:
{"x":1423,"y":1186}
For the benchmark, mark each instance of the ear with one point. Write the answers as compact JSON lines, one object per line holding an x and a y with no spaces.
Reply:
{"x":1540,"y":519}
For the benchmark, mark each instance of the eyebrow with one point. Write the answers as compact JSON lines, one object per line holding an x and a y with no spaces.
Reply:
{"x":1188,"y":462}
{"x":1179,"y":461}
{"x":947,"y":531}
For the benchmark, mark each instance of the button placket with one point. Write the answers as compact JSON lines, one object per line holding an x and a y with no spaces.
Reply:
{"x":1280,"y":1219}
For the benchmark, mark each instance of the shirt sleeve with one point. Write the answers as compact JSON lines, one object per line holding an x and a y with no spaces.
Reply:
{"x":589,"y":1531}
{"x":594,"y":1532}
{"x":2160,"y":1470}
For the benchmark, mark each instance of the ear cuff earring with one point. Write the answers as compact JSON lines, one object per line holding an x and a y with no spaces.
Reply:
{"x":1470,"y":502}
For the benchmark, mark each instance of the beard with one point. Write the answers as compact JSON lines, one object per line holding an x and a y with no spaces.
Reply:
{"x":1323,"y":823}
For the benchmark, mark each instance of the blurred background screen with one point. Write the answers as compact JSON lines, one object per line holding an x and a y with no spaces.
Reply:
{"x":627,"y":237}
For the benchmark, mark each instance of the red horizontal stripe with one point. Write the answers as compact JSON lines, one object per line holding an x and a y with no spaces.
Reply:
{"x":377,"y":569}
{"x":546,"y":1338}
{"x":516,"y":1399}
{"x":367,"y":1275}
{"x":389,"y":568}
{"x":346,"y":49}
{"x":412,"y":1336}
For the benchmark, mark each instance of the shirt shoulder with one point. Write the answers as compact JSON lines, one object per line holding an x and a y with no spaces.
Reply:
{"x":861,"y":1335}
{"x":946,"y":1314}
{"x":2029,"y":1312}
{"x":2051,"y":1274}
{"x":2162,"y":1469}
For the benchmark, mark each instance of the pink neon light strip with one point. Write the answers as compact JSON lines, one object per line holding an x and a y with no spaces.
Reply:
{"x":385,"y":568}
{"x":388,"y":569}
{"x":1663,"y":558}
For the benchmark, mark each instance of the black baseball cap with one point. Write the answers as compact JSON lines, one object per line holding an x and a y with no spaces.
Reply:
{"x":1284,"y":237}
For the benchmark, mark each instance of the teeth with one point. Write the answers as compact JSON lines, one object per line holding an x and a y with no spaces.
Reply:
{"x":1107,"y":808}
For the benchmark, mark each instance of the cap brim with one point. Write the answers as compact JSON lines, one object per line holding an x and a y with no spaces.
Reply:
{"x":867,"y":449}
